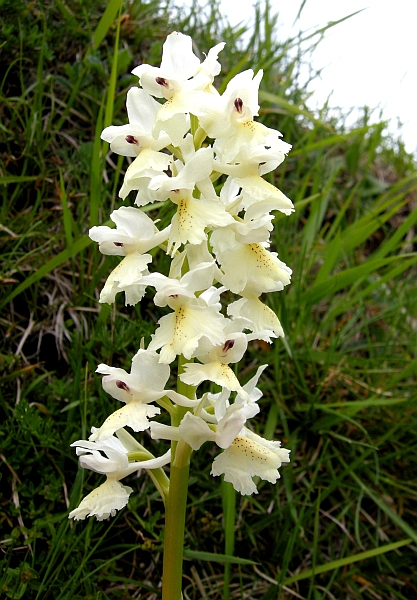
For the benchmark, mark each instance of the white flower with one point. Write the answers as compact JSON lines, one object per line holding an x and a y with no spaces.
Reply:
{"x":213,"y":240}
{"x":110,"y":496}
{"x":248,"y":456}
{"x":257,"y":190}
{"x":248,"y":269}
{"x":126,"y":277}
{"x":238,"y":104}
{"x":198,"y":278}
{"x":251,"y":162}
{"x":144,"y":384}
{"x":181,"y":80}
{"x":114,"y":463}
{"x":195,"y":430}
{"x":216,"y":361}
{"x":230,"y":418}
{"x":131,"y":139}
{"x":230,"y":196}
{"x":103,"y":502}
{"x":260,"y":318}
{"x":196,"y":255}
{"x":137,"y":140}
{"x":217,"y":372}
{"x":229,"y":119}
{"x":253,"y":230}
{"x":194,"y":215}
{"x":178,"y":65}
{"x":179,"y":332}
{"x":192,"y":218}
{"x":135,"y":232}
{"x":196,"y":169}
{"x":222,"y":426}
{"x":147,"y":165}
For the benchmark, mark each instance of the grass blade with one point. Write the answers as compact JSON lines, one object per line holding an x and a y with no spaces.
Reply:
{"x":348,"y":560}
{"x":106,"y":21}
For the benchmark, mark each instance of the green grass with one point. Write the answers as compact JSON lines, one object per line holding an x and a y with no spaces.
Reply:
{"x":340,"y":390}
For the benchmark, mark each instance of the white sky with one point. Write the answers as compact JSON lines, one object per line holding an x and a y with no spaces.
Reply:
{"x":370,"y":59}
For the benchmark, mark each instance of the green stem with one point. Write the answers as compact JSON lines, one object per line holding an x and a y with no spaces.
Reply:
{"x":199,"y":137}
{"x":175,"y":524}
{"x":229,"y":515}
{"x":176,"y":502}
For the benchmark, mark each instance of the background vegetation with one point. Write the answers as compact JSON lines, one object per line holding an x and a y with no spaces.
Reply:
{"x":341,"y":387}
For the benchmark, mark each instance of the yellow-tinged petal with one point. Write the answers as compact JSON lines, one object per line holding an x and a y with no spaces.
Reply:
{"x":103,"y":502}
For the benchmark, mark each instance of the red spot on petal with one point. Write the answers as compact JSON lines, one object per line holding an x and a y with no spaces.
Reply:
{"x":239,"y":105}
{"x":122,"y":386}
{"x":162,"y":81}
{"x":228,"y":345}
{"x":130,"y":139}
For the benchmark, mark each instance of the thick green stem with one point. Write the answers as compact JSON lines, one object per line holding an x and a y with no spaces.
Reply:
{"x":176,"y":502}
{"x":175,"y":524}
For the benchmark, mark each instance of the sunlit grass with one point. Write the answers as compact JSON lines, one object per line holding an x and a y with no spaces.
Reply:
{"x":340,"y":390}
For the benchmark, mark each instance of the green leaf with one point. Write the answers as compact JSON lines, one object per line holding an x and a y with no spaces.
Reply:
{"x":52,"y":264}
{"x":105,"y":22}
{"x":332,"y":140}
{"x":5,"y":179}
{"x":337,"y":282}
{"x":348,"y":560}
{"x":395,"y":518}
{"x":357,"y":405}
{"x":291,"y":108}
{"x":220,"y":558}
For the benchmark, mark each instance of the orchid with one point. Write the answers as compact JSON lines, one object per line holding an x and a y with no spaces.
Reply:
{"x":261,"y":319}
{"x":111,"y":495}
{"x":137,"y":389}
{"x":179,"y":332}
{"x":260,"y":270}
{"x":222,"y":424}
{"x":136,"y":139}
{"x":248,"y":456}
{"x":203,"y":154}
{"x":135,"y":234}
{"x":178,"y":80}
{"x":215,"y":365}
{"x":126,"y":277}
